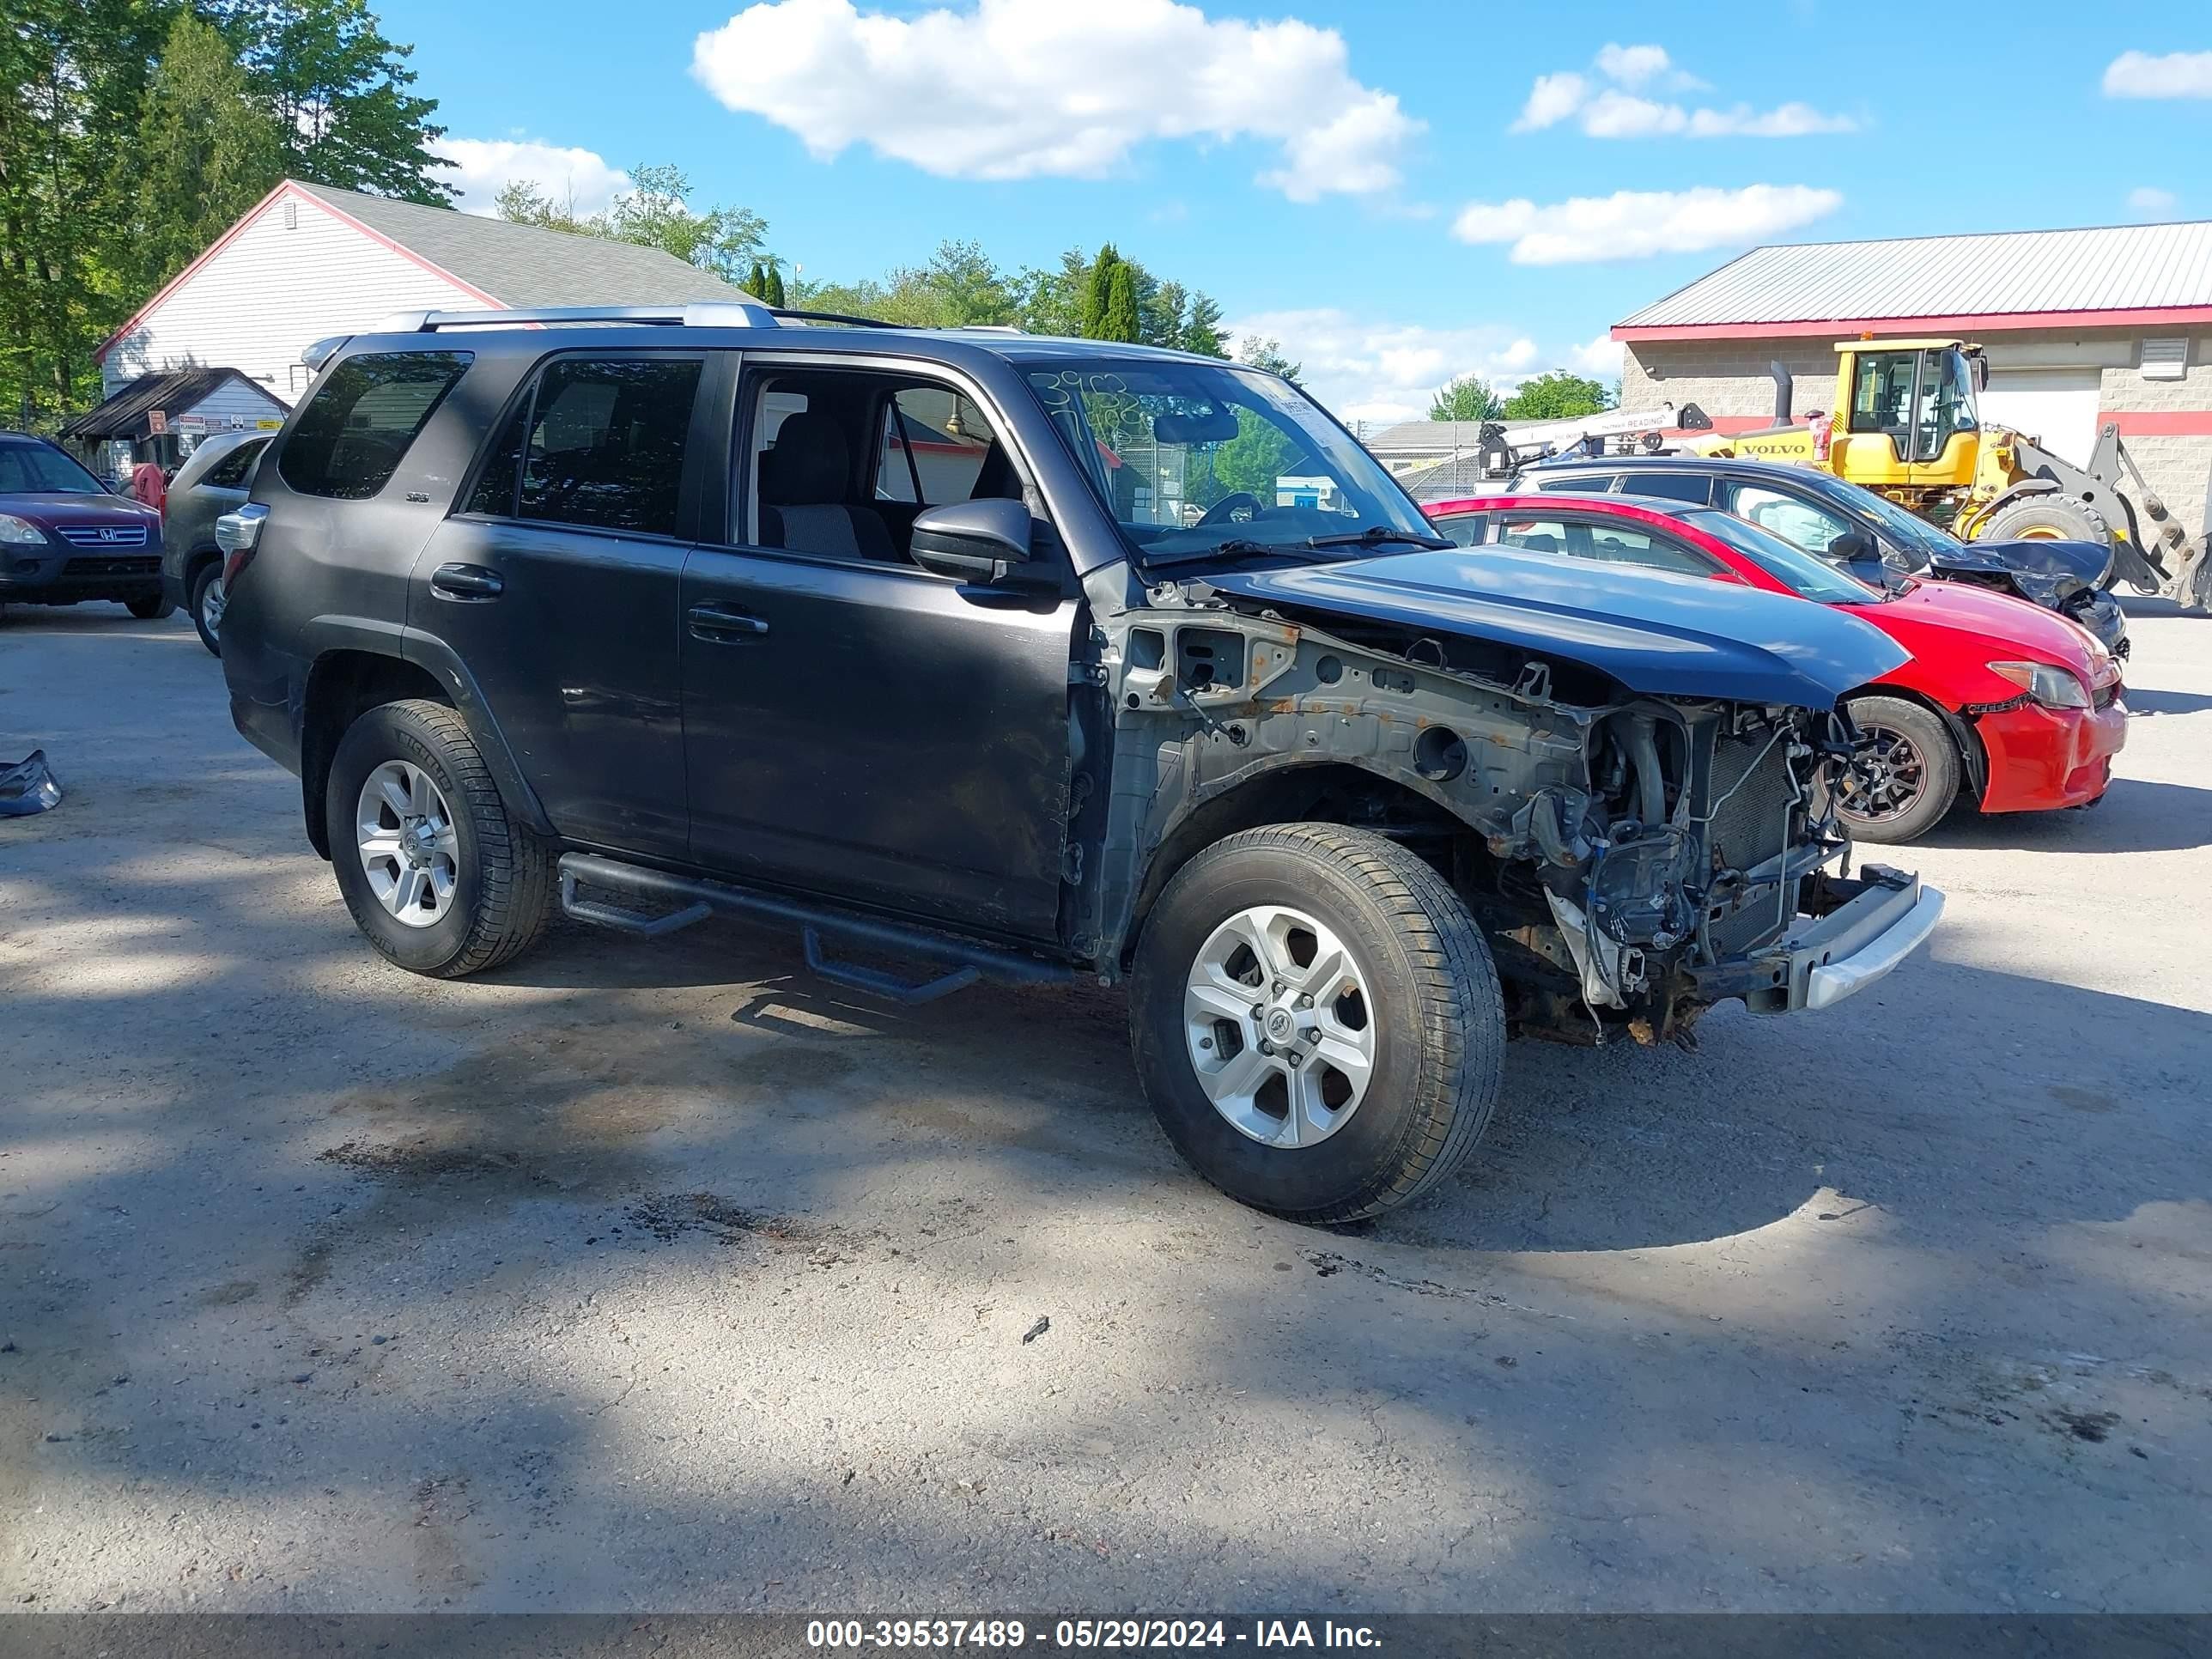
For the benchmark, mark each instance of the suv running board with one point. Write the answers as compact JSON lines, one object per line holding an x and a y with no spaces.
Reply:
{"x":964,"y":964}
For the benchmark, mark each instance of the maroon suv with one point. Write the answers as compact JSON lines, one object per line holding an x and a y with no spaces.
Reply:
{"x":64,"y":538}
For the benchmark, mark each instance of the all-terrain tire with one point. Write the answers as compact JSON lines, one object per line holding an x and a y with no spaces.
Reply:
{"x":502,"y":893}
{"x":196,"y":599}
{"x":1438,"y":1019}
{"x":151,"y":609}
{"x":1942,"y":769}
{"x":2048,"y":518}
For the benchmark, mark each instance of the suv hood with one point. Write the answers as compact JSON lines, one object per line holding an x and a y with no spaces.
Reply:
{"x":2048,"y":572}
{"x":1683,"y":636}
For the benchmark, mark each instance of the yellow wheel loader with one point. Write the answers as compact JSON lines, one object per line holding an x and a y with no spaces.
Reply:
{"x":1905,"y":424}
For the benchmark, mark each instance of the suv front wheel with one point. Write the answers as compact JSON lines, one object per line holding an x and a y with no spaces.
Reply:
{"x":1316,"y":1021}
{"x":435,"y":872}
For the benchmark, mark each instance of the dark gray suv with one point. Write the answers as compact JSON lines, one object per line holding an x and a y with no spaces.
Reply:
{"x":1015,"y":658}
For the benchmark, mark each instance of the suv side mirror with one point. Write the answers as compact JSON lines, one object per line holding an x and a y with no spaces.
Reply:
{"x":978,"y":541}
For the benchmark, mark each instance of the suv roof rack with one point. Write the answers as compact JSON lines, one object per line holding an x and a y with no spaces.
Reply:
{"x":707,"y":313}
{"x":714,"y":313}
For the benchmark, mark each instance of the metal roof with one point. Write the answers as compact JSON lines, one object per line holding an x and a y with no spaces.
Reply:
{"x":2025,"y":273}
{"x":176,"y":391}
{"x":526,"y":266}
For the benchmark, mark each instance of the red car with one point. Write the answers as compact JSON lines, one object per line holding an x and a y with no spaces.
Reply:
{"x":2011,"y":705}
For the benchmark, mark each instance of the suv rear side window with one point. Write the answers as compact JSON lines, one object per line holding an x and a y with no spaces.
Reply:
{"x":1588,"y":483}
{"x":230,"y":472}
{"x":355,"y":429}
{"x":599,"y":441}
{"x":1669,"y":486}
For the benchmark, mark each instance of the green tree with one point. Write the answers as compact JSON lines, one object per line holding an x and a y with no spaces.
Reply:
{"x":523,"y":202}
{"x":1122,"y":320}
{"x":1467,"y":399}
{"x":204,"y":152}
{"x":1048,"y":300}
{"x":1556,"y":395}
{"x":73,"y":81}
{"x":1201,"y":328}
{"x":340,"y":93}
{"x":1251,"y":461}
{"x":1098,"y":292}
{"x":1257,"y":352}
{"x":773,"y":291}
{"x":656,"y":212}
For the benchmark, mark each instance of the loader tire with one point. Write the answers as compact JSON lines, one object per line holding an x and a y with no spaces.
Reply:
{"x":2048,"y":519}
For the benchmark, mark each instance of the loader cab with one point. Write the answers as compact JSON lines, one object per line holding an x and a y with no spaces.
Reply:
{"x":1906,"y":413}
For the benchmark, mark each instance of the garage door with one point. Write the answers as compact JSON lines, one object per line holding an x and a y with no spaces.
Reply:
{"x":2056,"y":406}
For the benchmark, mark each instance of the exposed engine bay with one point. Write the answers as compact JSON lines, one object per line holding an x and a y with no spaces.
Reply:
{"x":1630,"y":856}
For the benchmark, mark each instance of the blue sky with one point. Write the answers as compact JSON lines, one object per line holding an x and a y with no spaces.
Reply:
{"x":1400,"y":192}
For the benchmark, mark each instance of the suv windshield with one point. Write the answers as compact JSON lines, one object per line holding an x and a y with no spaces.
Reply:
{"x":1195,"y":460}
{"x":1920,"y":539}
{"x":1806,"y":575}
{"x":36,"y":469}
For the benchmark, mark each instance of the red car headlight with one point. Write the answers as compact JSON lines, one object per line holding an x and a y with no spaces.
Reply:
{"x":2051,"y":686}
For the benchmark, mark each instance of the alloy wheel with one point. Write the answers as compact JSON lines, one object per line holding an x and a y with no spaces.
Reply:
{"x":408,"y":843}
{"x":1887,"y":777}
{"x":1279,"y":1025}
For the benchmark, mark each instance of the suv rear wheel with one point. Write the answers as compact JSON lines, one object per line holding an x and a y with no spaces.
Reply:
{"x":1316,"y":1020}
{"x":432,"y":868}
{"x":205,"y":598}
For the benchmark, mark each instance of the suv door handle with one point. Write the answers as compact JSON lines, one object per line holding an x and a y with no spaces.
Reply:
{"x":466,"y":581}
{"x":724,"y":625}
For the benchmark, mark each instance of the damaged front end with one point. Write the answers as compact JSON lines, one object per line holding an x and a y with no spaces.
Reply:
{"x":1633,"y":857}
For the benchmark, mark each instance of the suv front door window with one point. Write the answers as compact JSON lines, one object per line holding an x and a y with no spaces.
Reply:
{"x":575,"y":518}
{"x":856,"y":725}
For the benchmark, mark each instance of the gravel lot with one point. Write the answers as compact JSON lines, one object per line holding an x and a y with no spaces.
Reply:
{"x":661,"y":1276}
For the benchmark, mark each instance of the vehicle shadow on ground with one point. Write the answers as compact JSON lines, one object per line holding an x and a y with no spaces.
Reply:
{"x":2151,"y":702}
{"x":635,"y":1221}
{"x":2136,"y":815}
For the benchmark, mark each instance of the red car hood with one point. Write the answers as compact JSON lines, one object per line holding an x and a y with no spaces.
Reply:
{"x":2014,"y":625}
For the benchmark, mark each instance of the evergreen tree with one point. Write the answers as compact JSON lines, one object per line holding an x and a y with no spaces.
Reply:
{"x":774,"y":292}
{"x":1122,"y":320}
{"x":1097,"y":292}
{"x":204,"y":153}
{"x":1201,"y":328}
{"x":340,"y":93}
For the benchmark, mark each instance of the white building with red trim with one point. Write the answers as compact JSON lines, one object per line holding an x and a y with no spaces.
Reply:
{"x":2082,"y":328}
{"x":308,"y":262}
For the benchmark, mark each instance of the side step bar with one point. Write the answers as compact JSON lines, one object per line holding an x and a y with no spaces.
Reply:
{"x":964,"y":963}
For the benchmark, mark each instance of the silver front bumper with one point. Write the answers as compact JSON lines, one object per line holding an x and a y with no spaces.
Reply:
{"x":1823,"y":961}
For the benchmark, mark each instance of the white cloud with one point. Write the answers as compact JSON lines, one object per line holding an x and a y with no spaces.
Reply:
{"x":1637,"y":66}
{"x":482,"y":165}
{"x":1621,"y":111}
{"x":1040,"y":89}
{"x":1633,"y":224}
{"x":2177,"y":74}
{"x":1365,"y":368}
{"x":2148,"y":199}
{"x":1614,"y":114}
{"x":1791,"y":120}
{"x":1599,"y":358}
{"x":1551,"y":100}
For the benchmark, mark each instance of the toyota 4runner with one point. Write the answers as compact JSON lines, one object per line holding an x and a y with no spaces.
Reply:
{"x":1002,"y":658}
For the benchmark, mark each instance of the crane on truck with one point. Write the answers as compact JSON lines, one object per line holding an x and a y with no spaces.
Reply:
{"x":1503,"y":450}
{"x":1905,"y":423}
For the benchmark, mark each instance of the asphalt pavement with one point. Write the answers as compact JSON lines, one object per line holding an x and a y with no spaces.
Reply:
{"x":663,"y":1276}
